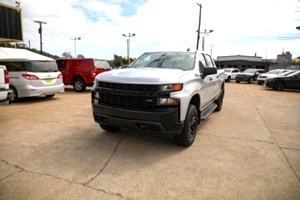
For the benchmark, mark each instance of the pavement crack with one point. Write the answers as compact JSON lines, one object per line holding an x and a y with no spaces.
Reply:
{"x":107,"y":162}
{"x":20,"y":169}
{"x":296,"y":149}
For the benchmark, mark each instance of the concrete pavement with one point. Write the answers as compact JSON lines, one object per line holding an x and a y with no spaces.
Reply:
{"x":52,"y":149}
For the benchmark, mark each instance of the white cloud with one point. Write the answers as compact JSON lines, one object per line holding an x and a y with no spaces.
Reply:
{"x":265,"y":27}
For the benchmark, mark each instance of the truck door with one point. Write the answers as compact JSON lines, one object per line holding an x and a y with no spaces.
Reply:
{"x":207,"y":84}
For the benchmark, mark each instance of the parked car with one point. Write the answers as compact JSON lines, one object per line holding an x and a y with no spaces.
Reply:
{"x":249,"y":75}
{"x":4,"y":84}
{"x":81,"y":72}
{"x":270,"y":74}
{"x":230,"y":73}
{"x":290,"y":81}
{"x":30,"y":74}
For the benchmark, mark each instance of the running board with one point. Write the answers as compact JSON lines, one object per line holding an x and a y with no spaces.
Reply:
{"x":208,"y":110}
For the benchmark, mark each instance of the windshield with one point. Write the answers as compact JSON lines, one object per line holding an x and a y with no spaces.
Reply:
{"x":287,"y":73}
{"x":168,"y":60}
{"x":250,"y":71}
{"x":103,"y":64}
{"x":42,"y":66}
{"x":274,"y":72}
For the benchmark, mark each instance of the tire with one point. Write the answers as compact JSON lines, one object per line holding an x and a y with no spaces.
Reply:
{"x":79,"y":85}
{"x":228,"y":79}
{"x":188,"y":134}
{"x":110,"y":128}
{"x":13,"y":95}
{"x":237,"y":81}
{"x":279,"y":86}
{"x":250,"y":81}
{"x":219,"y":101}
{"x":50,"y":95}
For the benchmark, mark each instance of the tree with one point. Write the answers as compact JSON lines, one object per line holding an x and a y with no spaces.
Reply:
{"x":67,"y":55}
{"x":80,"y":56}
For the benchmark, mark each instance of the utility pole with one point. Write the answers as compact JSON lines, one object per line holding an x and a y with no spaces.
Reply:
{"x":198,"y":31}
{"x":40,"y":32}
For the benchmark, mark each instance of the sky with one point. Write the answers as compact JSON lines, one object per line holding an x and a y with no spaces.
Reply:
{"x":264,"y":28}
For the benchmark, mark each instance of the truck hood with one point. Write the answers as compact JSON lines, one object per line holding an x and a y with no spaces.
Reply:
{"x":142,"y":75}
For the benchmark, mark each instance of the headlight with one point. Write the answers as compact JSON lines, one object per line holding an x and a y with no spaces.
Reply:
{"x":167,"y":101}
{"x":171,"y":88}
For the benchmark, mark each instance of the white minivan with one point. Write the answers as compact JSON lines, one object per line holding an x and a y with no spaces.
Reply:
{"x":31,"y":74}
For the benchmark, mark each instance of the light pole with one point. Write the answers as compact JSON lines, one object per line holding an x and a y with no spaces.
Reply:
{"x":75,"y":38}
{"x":203,"y":40}
{"x":128,"y":45}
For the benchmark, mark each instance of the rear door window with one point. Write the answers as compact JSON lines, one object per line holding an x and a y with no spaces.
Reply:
{"x":61,"y":63}
{"x":101,"y":64}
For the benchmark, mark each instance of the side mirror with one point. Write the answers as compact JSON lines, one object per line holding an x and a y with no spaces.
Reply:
{"x":208,"y":71}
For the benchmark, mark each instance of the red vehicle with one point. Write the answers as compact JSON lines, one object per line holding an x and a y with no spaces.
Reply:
{"x":81,"y":72}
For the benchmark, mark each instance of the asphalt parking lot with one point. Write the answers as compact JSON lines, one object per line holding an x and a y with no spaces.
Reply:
{"x":52,"y":149}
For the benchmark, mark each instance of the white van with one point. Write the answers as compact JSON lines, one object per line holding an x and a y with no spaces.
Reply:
{"x":31,"y":74}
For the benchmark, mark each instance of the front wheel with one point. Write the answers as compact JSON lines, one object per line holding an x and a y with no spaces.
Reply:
{"x":228,"y":79}
{"x":237,"y":81}
{"x":189,"y":131}
{"x":250,"y":81}
{"x":79,"y":85}
{"x":279,"y":86}
{"x":110,"y":128}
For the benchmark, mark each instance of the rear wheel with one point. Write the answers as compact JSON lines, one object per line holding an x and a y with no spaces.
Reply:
{"x":79,"y":85}
{"x":189,"y":131}
{"x":110,"y":128}
{"x":13,"y":95}
{"x":279,"y":86}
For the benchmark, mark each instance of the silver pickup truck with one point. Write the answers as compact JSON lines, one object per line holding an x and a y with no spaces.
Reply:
{"x":164,"y":92}
{"x":4,"y":84}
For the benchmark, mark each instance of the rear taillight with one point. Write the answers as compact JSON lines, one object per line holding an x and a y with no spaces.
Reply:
{"x":30,"y":76}
{"x":60,"y":76}
{"x":6,"y":77}
{"x":94,"y":73}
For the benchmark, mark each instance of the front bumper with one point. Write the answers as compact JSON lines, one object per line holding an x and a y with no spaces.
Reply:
{"x":260,"y":82}
{"x":164,"y":121}
{"x":243,"y":78}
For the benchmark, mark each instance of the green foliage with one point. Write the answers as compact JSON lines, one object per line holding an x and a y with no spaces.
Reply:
{"x":66,"y":55}
{"x":80,"y":56}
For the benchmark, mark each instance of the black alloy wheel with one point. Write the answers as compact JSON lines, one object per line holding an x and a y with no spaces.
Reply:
{"x":188,"y":134}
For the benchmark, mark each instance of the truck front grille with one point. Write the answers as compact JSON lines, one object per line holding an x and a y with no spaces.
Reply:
{"x":129,"y":96}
